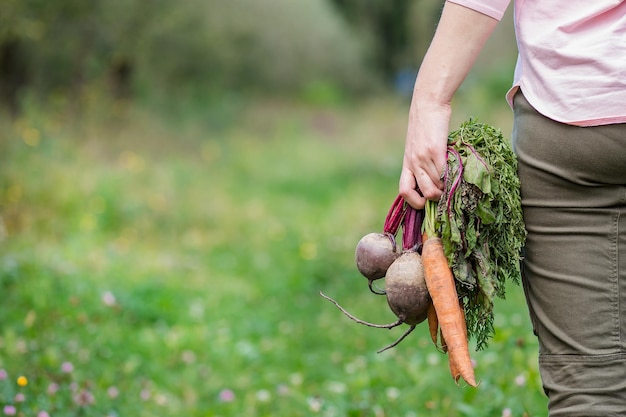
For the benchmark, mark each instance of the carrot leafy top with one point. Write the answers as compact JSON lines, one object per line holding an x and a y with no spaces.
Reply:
{"x":479,"y":219}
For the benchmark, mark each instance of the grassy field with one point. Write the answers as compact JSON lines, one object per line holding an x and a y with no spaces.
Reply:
{"x":152,"y":268}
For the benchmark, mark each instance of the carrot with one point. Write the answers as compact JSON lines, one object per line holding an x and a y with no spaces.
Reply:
{"x":433,"y":323}
{"x":454,"y":370}
{"x":442,"y":289}
{"x":435,"y":332}
{"x":435,"y":335}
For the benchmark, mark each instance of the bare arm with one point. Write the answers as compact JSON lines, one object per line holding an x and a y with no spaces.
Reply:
{"x":460,"y":36}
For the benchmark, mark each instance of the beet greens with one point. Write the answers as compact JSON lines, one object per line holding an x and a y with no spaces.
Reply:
{"x":479,"y":219}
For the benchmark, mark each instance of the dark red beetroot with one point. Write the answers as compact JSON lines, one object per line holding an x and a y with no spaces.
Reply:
{"x":406,"y":290}
{"x":375,"y":252}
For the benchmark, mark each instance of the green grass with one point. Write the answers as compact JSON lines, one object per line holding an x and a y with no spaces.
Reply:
{"x":177,"y":271}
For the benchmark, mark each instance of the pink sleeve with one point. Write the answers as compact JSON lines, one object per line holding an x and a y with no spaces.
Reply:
{"x":492,"y":8}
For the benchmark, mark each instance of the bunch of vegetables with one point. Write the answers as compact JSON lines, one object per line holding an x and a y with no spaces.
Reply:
{"x":457,"y":253}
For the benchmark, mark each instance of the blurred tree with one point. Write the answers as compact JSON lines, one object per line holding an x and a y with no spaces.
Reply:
{"x":13,"y":73}
{"x":174,"y":50}
{"x":67,"y":44}
{"x":282,"y":45}
{"x":385,"y":27}
{"x":13,"y":64}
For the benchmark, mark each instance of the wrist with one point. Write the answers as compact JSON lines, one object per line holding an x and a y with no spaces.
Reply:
{"x":430,"y":104}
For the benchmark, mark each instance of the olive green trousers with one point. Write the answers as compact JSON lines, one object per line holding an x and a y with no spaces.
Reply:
{"x":573,"y":185}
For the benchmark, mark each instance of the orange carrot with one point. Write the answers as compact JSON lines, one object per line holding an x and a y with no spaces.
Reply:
{"x":454,"y":370}
{"x":442,"y":289}
{"x":436,"y":336}
{"x":435,"y":332}
{"x":433,"y":323}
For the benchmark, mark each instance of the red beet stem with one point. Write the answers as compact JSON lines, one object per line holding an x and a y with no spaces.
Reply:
{"x":395,"y":216}
{"x":412,"y":232}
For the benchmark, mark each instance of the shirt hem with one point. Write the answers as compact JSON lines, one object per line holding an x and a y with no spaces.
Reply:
{"x":574,"y":122}
{"x":495,"y":12}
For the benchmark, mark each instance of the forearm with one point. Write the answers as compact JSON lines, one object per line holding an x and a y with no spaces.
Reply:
{"x":458,"y":40}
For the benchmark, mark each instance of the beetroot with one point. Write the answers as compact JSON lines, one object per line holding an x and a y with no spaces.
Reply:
{"x":374,"y":253}
{"x":407,"y":295}
{"x":378,"y":256}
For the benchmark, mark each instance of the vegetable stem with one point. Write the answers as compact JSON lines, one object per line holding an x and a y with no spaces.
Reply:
{"x":412,"y":232}
{"x":430,"y":219}
{"x":394,"y":216}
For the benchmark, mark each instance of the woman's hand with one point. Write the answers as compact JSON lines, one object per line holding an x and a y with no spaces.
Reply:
{"x":425,"y":153}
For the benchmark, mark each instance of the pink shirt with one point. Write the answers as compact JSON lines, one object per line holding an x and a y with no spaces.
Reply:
{"x":572,"y":57}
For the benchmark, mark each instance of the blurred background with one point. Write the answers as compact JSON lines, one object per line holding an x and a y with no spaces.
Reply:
{"x":179,"y":180}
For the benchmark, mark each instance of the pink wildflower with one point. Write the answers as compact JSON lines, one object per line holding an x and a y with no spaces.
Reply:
{"x":67,"y":367}
{"x":108,"y":299}
{"x":145,"y":394}
{"x":227,"y":396}
{"x":84,"y":398}
{"x":113,"y":392}
{"x":53,"y":388}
